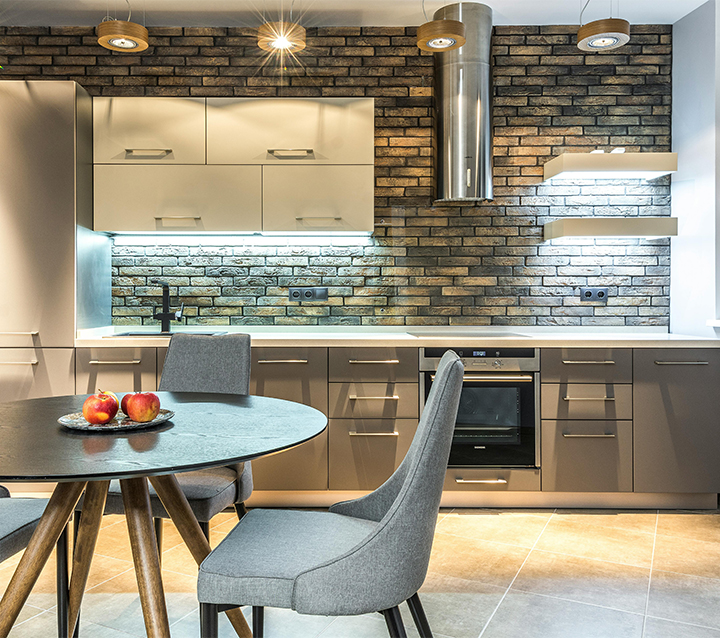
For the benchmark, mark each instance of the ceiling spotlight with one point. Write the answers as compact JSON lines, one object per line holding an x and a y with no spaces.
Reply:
{"x":602,"y":35}
{"x":281,"y":36}
{"x":122,"y":35}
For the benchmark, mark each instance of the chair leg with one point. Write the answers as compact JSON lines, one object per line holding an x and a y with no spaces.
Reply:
{"x":158,"y":522}
{"x":240,"y":510}
{"x":418,"y":614}
{"x":208,"y":620}
{"x":62,"y":584}
{"x":205,"y":527}
{"x":76,"y":529}
{"x":258,"y":617}
{"x":394,"y":623}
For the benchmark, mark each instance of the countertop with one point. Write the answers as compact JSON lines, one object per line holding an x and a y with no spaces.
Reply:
{"x":409,"y":336}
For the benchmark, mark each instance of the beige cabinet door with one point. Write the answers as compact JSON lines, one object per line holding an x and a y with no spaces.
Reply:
{"x":318,"y":198}
{"x":115,"y":369}
{"x":32,"y":373}
{"x":290,"y":130}
{"x":149,"y":130}
{"x":177,"y":198}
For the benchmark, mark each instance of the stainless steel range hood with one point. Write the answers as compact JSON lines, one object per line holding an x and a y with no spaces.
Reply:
{"x":464,"y":104}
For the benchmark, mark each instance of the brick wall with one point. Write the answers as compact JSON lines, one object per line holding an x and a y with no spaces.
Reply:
{"x":435,"y":265}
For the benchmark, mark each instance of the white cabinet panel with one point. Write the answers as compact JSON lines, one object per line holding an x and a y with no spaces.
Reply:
{"x":318,"y":198}
{"x":149,"y":130}
{"x":280,"y":130}
{"x":32,"y":373}
{"x":178,"y":198}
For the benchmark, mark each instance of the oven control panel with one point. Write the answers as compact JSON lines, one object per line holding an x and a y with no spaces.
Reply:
{"x":485,"y":358}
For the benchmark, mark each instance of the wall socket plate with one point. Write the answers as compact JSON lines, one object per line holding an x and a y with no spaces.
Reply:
{"x":308,"y":293}
{"x":593,"y":294}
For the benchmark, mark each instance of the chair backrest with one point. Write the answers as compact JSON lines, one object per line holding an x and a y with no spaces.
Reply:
{"x":390,"y":565}
{"x":4,"y":493}
{"x":207,"y":363}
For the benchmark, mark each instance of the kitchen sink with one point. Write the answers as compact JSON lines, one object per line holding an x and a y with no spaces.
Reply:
{"x":160,"y":334}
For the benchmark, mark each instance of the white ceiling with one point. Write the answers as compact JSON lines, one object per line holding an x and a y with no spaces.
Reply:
{"x":329,"y":12}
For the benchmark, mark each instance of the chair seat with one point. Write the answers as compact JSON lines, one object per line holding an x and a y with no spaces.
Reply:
{"x":18,"y":519}
{"x":258,"y":561}
{"x":209,"y":492}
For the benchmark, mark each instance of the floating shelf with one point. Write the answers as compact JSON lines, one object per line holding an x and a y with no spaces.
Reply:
{"x":610,"y":166}
{"x":646,"y":227}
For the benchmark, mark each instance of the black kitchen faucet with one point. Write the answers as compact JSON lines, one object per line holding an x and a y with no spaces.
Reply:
{"x":166,"y":316}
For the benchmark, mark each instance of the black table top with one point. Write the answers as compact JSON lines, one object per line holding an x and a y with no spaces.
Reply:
{"x":207,"y":430}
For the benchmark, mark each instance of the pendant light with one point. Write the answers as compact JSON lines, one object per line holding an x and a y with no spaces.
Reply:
{"x":122,"y":35}
{"x":602,"y":35}
{"x":440,"y":35}
{"x":281,"y":36}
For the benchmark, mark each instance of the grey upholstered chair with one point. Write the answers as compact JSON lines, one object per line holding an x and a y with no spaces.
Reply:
{"x":365,"y":555}
{"x":202,"y":363}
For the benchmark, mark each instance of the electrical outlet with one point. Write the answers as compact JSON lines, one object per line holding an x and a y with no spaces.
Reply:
{"x":305,"y":293}
{"x":593,"y":294}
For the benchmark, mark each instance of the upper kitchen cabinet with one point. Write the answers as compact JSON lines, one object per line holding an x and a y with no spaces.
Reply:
{"x":290,"y":131}
{"x":149,"y":130}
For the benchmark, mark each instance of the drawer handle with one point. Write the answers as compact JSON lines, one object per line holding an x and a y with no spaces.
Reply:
{"x":284,"y":153}
{"x":589,"y":363}
{"x":20,"y":334}
{"x":149,"y":152}
{"x":34,"y":362}
{"x":299,"y":219}
{"x":494,"y":377}
{"x":588,"y":436}
{"x":355,"y":397}
{"x":355,"y":433}
{"x":498,"y":481}
{"x":282,"y":360}
{"x":588,"y":398}
{"x":195,"y":217}
{"x":682,"y":363}
{"x":387,"y":361}
{"x":134,"y":362}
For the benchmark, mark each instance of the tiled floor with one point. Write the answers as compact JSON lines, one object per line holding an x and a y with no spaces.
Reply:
{"x":493,"y":573}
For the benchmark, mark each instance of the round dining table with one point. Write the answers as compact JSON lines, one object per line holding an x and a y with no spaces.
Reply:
{"x":207,"y":430}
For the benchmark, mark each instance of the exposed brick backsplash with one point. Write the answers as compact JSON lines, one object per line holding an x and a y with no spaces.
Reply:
{"x":437,"y":265}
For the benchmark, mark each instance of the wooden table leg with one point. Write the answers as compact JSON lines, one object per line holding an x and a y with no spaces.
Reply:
{"x":86,"y":538}
{"x":52,"y":522}
{"x":136,"y":500}
{"x":180,"y":512}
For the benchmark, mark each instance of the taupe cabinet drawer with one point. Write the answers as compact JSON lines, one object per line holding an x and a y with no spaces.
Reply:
{"x":491,"y":480}
{"x":364,"y":453}
{"x":304,"y":467}
{"x":373,"y":400}
{"x":586,"y":401}
{"x":31,"y":373}
{"x":374,"y":364}
{"x":586,"y":365}
{"x":116,"y":369}
{"x":587,"y":456}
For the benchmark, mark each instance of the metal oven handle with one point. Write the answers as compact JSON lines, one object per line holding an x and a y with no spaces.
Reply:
{"x":525,"y":378}
{"x":498,"y":481}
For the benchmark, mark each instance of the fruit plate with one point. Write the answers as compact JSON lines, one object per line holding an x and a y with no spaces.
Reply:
{"x":76,"y":421}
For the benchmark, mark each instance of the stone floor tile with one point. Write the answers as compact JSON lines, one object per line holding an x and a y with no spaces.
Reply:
{"x":687,"y":556}
{"x":697,"y":525}
{"x":513,"y":527}
{"x":633,"y":520}
{"x":683,"y":598}
{"x":656,"y":628}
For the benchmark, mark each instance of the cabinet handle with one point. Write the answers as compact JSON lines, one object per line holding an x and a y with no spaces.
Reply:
{"x":34,"y":362}
{"x":149,"y":152}
{"x":588,"y":436}
{"x":355,"y":397}
{"x":282,"y":360}
{"x":588,"y":398}
{"x":195,"y":217}
{"x":498,"y":481}
{"x":337,"y":219}
{"x":355,"y":433}
{"x":682,"y":363}
{"x":134,"y":362}
{"x":589,"y":363}
{"x":282,"y":153}
{"x":20,"y":334}
{"x":387,"y":361}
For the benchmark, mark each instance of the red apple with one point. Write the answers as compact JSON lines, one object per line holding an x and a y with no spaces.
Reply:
{"x":123,"y":405}
{"x":100,"y":408}
{"x":143,"y":406}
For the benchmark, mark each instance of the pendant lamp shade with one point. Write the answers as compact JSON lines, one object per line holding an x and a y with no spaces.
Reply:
{"x":441,"y":35}
{"x":118,"y":35}
{"x":603,"y":35}
{"x":281,"y":36}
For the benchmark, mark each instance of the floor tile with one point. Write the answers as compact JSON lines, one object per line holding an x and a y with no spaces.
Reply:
{"x":585,"y":580}
{"x":633,"y":520}
{"x":701,"y":526}
{"x":523,"y":615}
{"x":513,"y":527}
{"x":354,"y":627}
{"x":687,"y":556}
{"x":656,"y":628}
{"x":45,"y":626}
{"x":683,"y":598}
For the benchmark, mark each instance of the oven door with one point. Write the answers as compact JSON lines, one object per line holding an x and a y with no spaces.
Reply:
{"x":496,"y":422}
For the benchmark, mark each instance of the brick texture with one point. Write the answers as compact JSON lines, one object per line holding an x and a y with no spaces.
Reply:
{"x":435,"y":265}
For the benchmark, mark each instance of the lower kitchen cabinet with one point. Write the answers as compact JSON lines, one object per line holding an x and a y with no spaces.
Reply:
{"x":587,"y":456}
{"x":116,"y":369}
{"x":294,"y":374}
{"x":676,"y":407}
{"x":364,"y":453}
{"x":32,"y":373}
{"x":586,"y":401}
{"x":373,"y":400}
{"x":491,"y":480}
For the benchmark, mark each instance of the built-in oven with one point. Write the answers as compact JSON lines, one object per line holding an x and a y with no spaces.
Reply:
{"x":498,"y":421}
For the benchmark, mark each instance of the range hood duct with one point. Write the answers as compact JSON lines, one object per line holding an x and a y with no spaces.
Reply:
{"x":464,"y":107}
